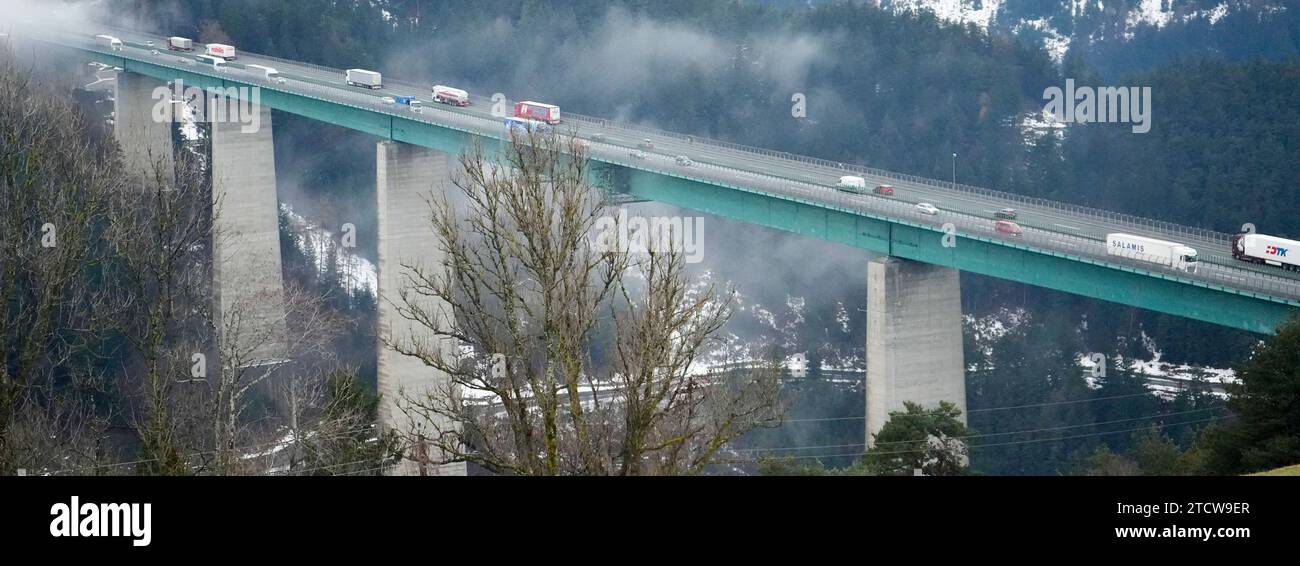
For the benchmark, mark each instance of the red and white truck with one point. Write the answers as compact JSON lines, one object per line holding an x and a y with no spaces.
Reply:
{"x":548,"y":113}
{"x":1270,"y":250}
{"x":220,"y":50}
{"x":448,"y":95}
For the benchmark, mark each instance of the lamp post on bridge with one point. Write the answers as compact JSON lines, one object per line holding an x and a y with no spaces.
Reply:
{"x":954,"y":170}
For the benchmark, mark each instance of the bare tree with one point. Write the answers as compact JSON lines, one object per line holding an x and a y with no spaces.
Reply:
{"x":159,"y":278}
{"x":556,"y":356}
{"x":54,"y":203}
{"x":302,"y":332}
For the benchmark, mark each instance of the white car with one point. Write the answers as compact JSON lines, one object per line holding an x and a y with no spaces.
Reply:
{"x":684,"y":161}
{"x":926,"y":208}
{"x":637,"y":154}
{"x":388,"y":100}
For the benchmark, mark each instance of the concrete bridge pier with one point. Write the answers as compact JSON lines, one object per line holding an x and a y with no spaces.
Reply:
{"x":144,"y":139}
{"x":405,"y":176}
{"x":248,"y":281}
{"x":914,"y":339}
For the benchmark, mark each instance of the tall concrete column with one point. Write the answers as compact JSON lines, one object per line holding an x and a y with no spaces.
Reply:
{"x":249,"y":283}
{"x":914,"y":340}
{"x":144,"y":139}
{"x":405,"y":176}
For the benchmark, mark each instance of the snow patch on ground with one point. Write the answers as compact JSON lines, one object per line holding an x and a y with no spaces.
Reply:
{"x":987,"y":330}
{"x":982,"y":13}
{"x":1037,"y":126}
{"x":1055,"y":42}
{"x":356,"y":274}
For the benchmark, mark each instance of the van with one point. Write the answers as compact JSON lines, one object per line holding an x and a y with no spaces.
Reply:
{"x":1008,"y":227}
{"x":852,"y":184}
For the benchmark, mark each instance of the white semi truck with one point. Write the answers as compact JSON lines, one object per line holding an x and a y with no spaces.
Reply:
{"x":364,"y":78}
{"x":114,"y":43}
{"x":1269,"y":250}
{"x":176,"y":43}
{"x":269,"y":72}
{"x":1151,"y":250}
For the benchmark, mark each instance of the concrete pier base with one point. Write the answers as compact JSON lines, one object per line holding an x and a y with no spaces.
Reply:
{"x":249,"y":283}
{"x":144,"y":139}
{"x":405,"y":176}
{"x":914,"y":339}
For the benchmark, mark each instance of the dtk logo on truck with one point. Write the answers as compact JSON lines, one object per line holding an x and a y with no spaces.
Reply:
{"x":1274,"y":250}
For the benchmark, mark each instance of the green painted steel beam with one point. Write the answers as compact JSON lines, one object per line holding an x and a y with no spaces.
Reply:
{"x":992,"y":257}
{"x":1006,"y":260}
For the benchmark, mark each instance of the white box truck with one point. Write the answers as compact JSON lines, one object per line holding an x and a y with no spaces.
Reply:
{"x":220,"y":50}
{"x":1151,"y":250}
{"x":364,"y":78}
{"x":1269,"y":250}
{"x":852,"y":184}
{"x":180,"y":44}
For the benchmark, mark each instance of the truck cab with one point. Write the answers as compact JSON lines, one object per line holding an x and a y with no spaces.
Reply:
{"x":1185,"y":259}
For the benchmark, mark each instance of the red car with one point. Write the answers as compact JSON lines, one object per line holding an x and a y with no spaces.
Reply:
{"x":1008,"y":227}
{"x":884,"y":190}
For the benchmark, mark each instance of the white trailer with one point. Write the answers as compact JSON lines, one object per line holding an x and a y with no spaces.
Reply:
{"x":1270,"y":250}
{"x":1151,"y":250}
{"x":221,"y":50}
{"x":364,"y":78}
{"x":176,"y":43}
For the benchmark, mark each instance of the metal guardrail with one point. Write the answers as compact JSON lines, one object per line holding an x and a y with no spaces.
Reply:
{"x":1009,"y":198}
{"x":1039,"y":240}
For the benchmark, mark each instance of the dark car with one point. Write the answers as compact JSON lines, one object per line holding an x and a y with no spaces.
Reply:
{"x":1005,"y":214}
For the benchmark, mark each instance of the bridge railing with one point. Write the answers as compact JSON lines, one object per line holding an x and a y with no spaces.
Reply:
{"x":1153,"y":226}
{"x":1008,"y":198}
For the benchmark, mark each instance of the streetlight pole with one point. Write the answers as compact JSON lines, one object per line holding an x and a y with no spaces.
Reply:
{"x":954,"y":170}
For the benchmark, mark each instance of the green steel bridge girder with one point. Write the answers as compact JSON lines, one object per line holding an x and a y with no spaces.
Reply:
{"x":1061,"y":272}
{"x":1080,"y":276}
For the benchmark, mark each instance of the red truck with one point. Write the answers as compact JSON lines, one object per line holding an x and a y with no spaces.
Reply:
{"x":548,"y":113}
